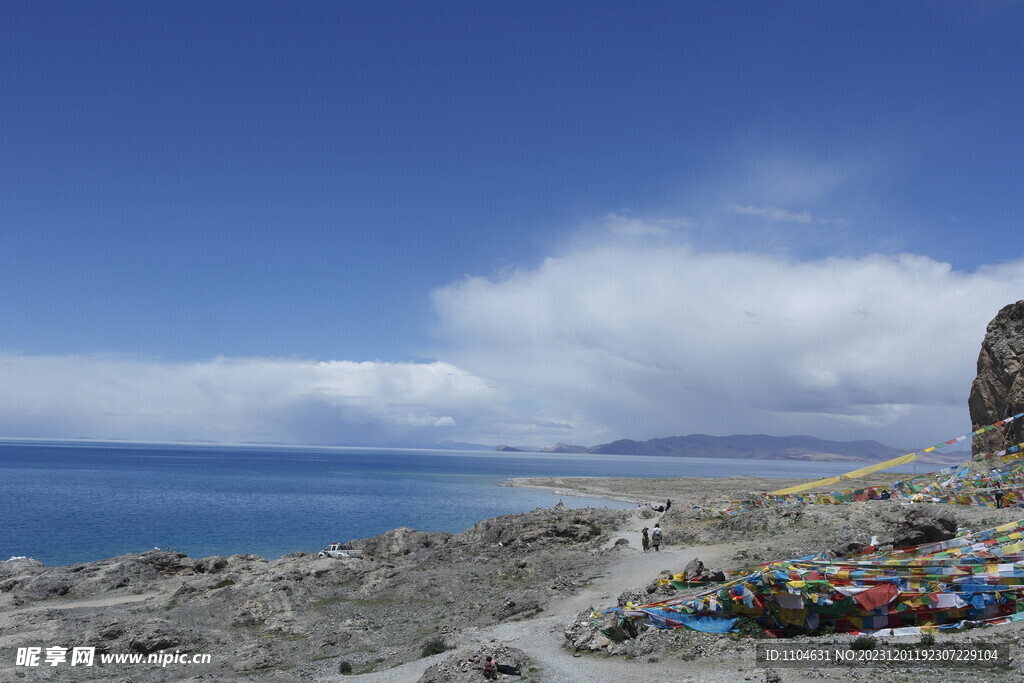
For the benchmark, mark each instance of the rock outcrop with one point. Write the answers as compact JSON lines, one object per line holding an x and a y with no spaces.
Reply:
{"x":922,"y":524}
{"x":299,"y":617}
{"x":998,"y":389}
{"x":466,"y":666}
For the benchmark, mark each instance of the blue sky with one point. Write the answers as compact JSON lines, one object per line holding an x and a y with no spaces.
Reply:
{"x":405,"y":222}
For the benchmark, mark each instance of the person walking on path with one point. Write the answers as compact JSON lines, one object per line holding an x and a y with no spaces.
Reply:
{"x":656,"y":537}
{"x":644,"y":539}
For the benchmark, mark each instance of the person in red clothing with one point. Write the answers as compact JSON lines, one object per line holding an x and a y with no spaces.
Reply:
{"x":490,"y":668}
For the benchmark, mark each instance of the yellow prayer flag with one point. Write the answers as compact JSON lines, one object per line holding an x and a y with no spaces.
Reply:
{"x":902,"y":460}
{"x":831,"y":481}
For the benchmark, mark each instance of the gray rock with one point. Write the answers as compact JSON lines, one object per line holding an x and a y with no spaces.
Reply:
{"x":848,"y":548}
{"x":693,"y":569}
{"x":634,"y":596}
{"x":19,"y":565}
{"x":923,"y":524}
{"x":998,"y":389}
{"x":511,"y":608}
{"x":467,"y":665}
{"x":399,"y":543}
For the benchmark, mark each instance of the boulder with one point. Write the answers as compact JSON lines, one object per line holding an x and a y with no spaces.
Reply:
{"x":651,"y":641}
{"x":165,"y":561}
{"x":400,"y":542}
{"x":923,"y":524}
{"x":694,"y":568}
{"x":467,"y":665}
{"x":584,"y":634}
{"x":155,"y":637}
{"x":636,"y":597}
{"x":848,"y":548}
{"x":546,"y":527}
{"x":18,"y":565}
{"x":510,"y":608}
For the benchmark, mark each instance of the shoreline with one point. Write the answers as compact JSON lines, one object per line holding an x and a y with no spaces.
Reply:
{"x":566,"y":490}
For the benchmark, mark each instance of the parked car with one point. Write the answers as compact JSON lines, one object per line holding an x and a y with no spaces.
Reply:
{"x":337,"y":550}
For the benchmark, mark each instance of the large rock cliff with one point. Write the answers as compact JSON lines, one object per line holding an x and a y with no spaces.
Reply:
{"x":998,"y":390}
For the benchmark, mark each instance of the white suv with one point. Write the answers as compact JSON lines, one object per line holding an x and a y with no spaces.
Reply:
{"x":340,"y":550}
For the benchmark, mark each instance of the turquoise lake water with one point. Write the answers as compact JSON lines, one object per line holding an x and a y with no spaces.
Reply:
{"x":69,"y":502}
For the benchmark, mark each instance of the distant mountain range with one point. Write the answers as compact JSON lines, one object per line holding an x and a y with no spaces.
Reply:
{"x":753,"y":447}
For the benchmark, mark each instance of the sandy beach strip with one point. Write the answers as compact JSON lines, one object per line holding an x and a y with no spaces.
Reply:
{"x":681,"y":490}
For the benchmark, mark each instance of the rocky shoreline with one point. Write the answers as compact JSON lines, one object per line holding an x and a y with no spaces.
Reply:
{"x":300,"y":617}
{"x":520,"y":587}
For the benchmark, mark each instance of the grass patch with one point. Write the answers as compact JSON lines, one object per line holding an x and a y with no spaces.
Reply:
{"x":749,"y":628}
{"x":344,"y":667}
{"x":327,"y":601}
{"x":864,"y":643}
{"x":621,"y":632}
{"x":223,"y":583}
{"x":434,"y":646}
{"x":823,"y":630}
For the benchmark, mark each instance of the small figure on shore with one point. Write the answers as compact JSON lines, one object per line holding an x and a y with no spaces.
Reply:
{"x":645,"y":540}
{"x":668,"y":504}
{"x":491,"y":668}
{"x":656,"y":537}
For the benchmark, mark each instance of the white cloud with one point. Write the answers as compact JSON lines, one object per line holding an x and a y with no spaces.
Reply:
{"x":642,"y":342}
{"x":238,"y":399}
{"x":624,"y":224}
{"x":774,"y":213}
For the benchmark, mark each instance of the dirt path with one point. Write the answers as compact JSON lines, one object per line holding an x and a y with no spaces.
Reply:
{"x":542,"y":637}
{"x":75,"y":604}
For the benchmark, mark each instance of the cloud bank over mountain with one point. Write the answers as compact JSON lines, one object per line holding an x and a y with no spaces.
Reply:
{"x":648,"y":340}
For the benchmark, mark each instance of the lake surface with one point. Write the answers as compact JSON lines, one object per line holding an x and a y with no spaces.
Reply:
{"x":69,"y":502}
